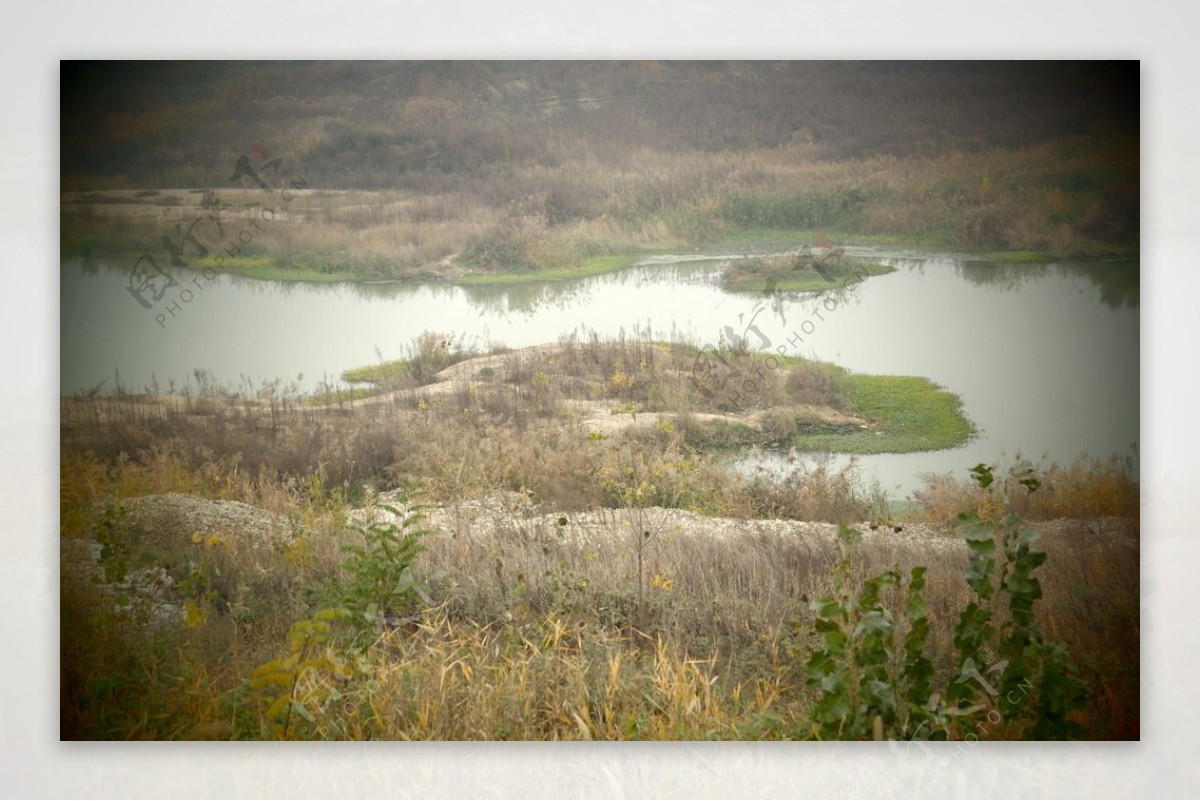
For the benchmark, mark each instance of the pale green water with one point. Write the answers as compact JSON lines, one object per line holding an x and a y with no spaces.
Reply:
{"x":1045,"y":357}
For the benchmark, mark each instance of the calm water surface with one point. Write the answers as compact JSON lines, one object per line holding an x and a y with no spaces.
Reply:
{"x":1045,"y":357}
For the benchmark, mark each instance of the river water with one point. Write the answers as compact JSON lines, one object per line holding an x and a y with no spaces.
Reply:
{"x":1045,"y":357}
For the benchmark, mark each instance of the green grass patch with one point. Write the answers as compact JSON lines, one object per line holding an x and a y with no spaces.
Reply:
{"x":381,"y":373}
{"x":257,"y":266}
{"x":902,"y":414}
{"x":335,"y":396}
{"x":910,"y":413}
{"x":264,"y":268}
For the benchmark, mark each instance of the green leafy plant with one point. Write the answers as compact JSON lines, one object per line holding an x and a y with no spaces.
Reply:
{"x":380,"y":585}
{"x":1036,"y":682}
{"x":116,"y":542}
{"x":874,"y":680}
{"x":304,"y":683}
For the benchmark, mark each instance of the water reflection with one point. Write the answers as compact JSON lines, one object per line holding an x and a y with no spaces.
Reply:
{"x":529,"y":298}
{"x":1119,"y":282}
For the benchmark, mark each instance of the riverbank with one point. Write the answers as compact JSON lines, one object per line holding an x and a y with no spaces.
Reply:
{"x":111,"y":225}
{"x":1056,"y":200}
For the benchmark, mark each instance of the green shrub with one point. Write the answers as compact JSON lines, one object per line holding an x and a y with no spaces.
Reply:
{"x":864,"y":691}
{"x":378,"y":583}
{"x":872,"y":676}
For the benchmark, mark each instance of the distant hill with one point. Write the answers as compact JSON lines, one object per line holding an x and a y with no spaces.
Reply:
{"x":431,"y":125}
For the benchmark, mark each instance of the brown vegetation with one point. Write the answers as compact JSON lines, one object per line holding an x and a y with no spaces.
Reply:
{"x":540,"y":625}
{"x":579,"y":585}
{"x":419,"y":170}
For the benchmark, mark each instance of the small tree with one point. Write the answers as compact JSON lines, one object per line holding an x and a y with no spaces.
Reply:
{"x":874,"y":680}
{"x":379,"y":585}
